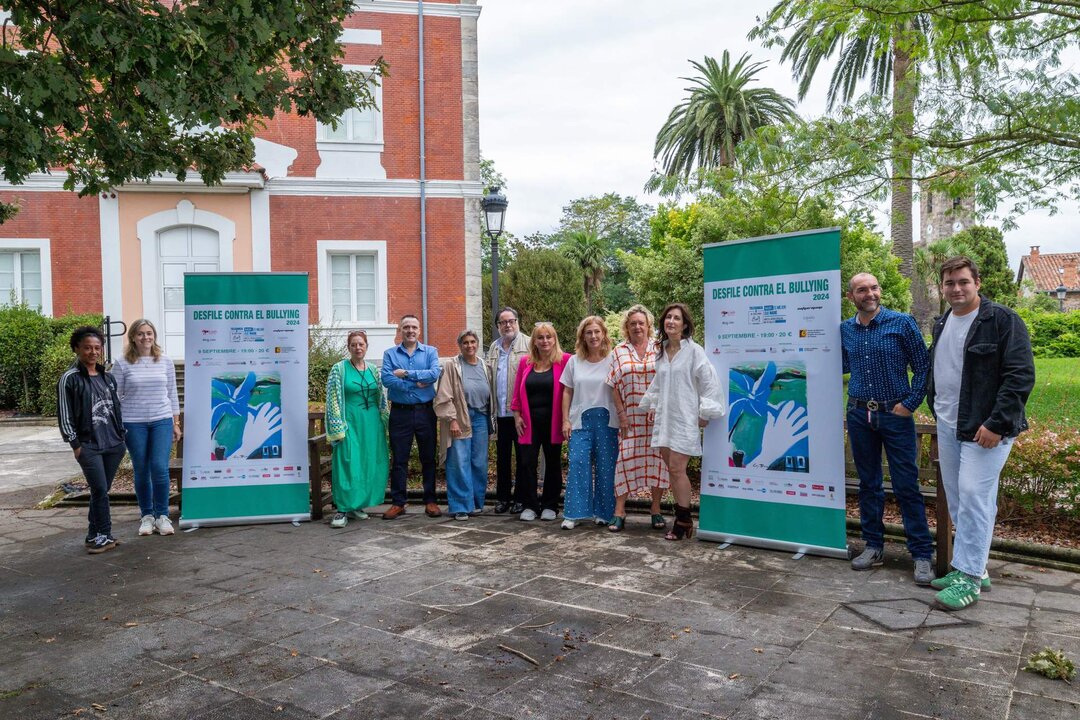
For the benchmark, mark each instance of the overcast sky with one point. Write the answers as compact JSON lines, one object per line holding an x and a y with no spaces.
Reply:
{"x":573,"y":93}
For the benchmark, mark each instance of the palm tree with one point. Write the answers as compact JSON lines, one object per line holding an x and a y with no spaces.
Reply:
{"x":865,"y":44}
{"x":720,"y":112}
{"x":590,"y":253}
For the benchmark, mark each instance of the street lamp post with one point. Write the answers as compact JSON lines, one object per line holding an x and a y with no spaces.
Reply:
{"x":494,"y":206}
{"x":1061,"y":291}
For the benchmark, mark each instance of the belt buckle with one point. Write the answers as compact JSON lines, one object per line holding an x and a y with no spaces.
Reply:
{"x":872,"y":405}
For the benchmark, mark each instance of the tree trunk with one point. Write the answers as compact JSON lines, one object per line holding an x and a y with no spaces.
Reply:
{"x":905,"y":90}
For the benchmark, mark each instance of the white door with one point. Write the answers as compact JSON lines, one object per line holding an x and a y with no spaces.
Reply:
{"x":188,"y":248}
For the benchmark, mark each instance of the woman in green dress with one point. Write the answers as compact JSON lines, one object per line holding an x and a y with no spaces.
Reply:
{"x":356,"y":430}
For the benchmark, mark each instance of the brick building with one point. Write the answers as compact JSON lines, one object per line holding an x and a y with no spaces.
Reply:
{"x":349,"y":206}
{"x":1048,"y":271}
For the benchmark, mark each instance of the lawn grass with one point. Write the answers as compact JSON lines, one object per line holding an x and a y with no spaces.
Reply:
{"x":1055,"y":400}
{"x":1056,"y":397}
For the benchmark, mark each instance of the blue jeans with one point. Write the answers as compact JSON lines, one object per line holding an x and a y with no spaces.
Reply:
{"x":590,"y":481}
{"x":467,"y":467}
{"x":970,"y":473}
{"x":150,"y":444}
{"x":868,"y":431}
{"x":99,"y":469}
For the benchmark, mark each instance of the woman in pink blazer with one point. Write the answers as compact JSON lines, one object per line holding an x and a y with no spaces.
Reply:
{"x":537,"y":408}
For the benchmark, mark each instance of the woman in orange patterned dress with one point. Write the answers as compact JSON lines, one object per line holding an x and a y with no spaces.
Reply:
{"x":632,"y":369}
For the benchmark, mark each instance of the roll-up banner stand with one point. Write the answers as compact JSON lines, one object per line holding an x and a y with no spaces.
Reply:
{"x":772,"y":473}
{"x":245,"y":398}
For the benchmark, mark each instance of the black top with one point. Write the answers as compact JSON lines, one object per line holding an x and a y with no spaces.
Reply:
{"x":540,"y":394}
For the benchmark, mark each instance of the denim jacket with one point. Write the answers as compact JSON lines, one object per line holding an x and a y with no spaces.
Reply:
{"x":998,"y":374}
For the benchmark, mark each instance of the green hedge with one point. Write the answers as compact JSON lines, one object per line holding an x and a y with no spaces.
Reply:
{"x":1053,"y":334}
{"x":34,"y":353}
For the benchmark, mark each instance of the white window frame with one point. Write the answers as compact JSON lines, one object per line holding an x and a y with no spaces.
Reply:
{"x":322,"y":142}
{"x":328,"y":248}
{"x":42,"y":246}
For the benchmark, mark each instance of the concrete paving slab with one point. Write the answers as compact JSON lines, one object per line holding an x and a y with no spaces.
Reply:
{"x":406,"y":620}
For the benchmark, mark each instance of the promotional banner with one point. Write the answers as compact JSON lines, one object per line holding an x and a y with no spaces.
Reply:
{"x":772,"y":473}
{"x":245,"y":398}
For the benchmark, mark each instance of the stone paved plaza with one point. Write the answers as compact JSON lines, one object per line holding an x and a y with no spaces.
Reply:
{"x":410,"y":618}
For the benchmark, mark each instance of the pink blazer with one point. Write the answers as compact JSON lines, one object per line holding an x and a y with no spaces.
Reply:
{"x":520,"y":401}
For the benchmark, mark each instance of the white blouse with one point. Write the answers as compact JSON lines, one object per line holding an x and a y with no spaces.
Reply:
{"x":684,"y":390}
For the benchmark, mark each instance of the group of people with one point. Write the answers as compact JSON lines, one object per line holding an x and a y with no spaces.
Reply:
{"x":632,"y":415}
{"x":976,"y":378}
{"x":132,"y":409}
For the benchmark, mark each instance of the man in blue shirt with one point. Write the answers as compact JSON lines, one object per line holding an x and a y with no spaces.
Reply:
{"x":409,"y":373}
{"x":879,"y":345}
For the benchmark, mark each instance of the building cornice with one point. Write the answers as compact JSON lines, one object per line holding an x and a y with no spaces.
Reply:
{"x":406,"y":7}
{"x":374,"y":188}
{"x":233,"y":182}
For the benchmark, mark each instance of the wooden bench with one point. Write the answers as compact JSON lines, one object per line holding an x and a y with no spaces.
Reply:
{"x":318,"y":465}
{"x":930,"y":486}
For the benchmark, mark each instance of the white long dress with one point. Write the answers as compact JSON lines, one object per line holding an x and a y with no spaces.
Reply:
{"x":684,"y":390}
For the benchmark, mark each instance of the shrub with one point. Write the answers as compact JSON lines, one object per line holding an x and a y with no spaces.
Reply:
{"x":55,"y":360}
{"x":323,"y":351}
{"x":1053,"y":334}
{"x":1044,"y":469}
{"x":24,"y":332}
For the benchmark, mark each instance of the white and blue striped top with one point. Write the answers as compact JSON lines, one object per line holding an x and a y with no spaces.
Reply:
{"x":147,"y":389}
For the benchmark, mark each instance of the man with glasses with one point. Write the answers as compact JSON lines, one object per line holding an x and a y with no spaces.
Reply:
{"x":503,"y":359}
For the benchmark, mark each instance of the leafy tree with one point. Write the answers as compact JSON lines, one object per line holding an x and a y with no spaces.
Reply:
{"x":622,"y":221}
{"x":928,"y":261}
{"x":720,"y":112}
{"x":997,"y":114}
{"x":543,"y":285}
{"x":116,"y":92}
{"x":589,"y":253}
{"x":672,"y":270}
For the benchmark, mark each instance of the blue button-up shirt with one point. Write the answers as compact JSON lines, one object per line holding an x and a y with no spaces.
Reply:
{"x":878,"y":356}
{"x":422,"y":367}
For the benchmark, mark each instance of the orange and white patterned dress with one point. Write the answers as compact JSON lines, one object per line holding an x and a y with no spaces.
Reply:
{"x":639,"y":466}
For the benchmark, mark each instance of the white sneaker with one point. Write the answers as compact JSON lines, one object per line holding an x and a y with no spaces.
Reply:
{"x":163,"y":526}
{"x":527,"y":515}
{"x":146,"y":525}
{"x":549,"y":514}
{"x":358,"y":514}
{"x":339,"y":520}
{"x":568,"y":524}
{"x":601,"y":521}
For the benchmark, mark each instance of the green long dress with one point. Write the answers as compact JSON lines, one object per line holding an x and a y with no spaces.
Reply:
{"x":361,"y":464}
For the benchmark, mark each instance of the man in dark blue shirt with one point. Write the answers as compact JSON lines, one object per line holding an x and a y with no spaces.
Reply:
{"x":879,"y":345}
{"x":409,"y":373}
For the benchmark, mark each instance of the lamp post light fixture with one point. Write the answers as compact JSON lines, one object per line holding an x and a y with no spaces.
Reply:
{"x":494,"y":206}
{"x":1061,"y":291}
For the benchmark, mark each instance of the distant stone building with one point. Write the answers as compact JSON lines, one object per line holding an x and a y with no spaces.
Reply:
{"x":1048,"y":271}
{"x":940,"y":216}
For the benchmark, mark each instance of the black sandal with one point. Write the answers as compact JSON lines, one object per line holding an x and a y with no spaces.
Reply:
{"x":683,"y":527}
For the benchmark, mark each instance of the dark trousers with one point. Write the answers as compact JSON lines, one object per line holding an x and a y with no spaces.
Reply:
{"x":528,"y":457}
{"x":99,"y":469}
{"x":868,"y":432}
{"x":506,"y":444}
{"x":407,"y":422}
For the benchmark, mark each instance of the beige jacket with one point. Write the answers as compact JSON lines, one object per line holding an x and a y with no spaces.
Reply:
{"x":518,"y":349}
{"x":450,"y":404}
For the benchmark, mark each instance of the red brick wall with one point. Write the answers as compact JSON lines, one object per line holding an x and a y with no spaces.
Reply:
{"x":74,"y":231}
{"x":298,"y":222}
{"x":400,"y":102}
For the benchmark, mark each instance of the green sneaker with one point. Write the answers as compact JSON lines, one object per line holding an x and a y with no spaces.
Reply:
{"x":959,"y":595}
{"x":949,"y":580}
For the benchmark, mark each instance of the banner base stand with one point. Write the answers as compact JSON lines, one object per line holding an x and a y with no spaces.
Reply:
{"x":252,"y":520}
{"x":729,"y":539}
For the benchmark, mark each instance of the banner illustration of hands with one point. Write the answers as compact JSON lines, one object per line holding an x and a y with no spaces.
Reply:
{"x":785,"y":435}
{"x":259,"y":430}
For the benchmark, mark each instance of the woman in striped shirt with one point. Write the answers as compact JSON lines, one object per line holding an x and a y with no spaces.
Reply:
{"x":146,"y":384}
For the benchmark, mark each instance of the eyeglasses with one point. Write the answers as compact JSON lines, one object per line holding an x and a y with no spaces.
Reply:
{"x":507,"y":323}
{"x":541,"y":322}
